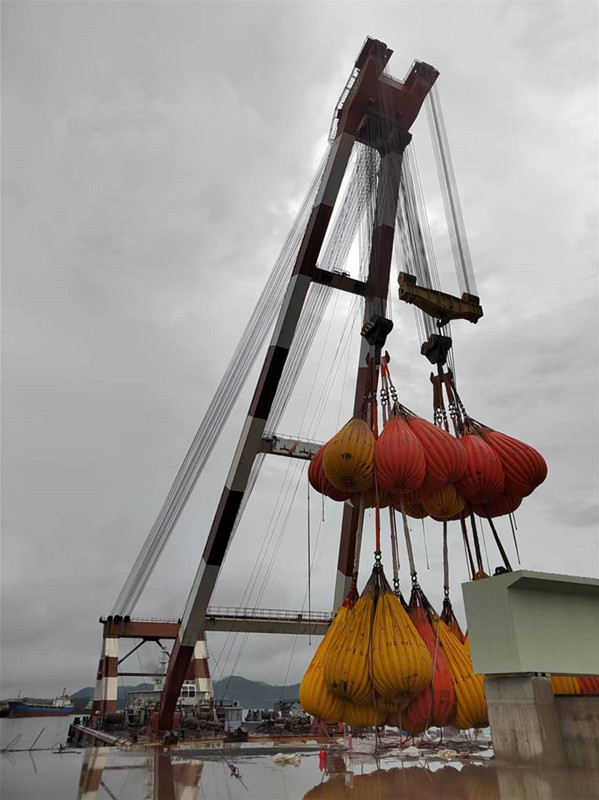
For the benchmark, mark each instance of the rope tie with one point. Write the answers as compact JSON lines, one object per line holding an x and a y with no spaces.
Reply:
{"x":445,"y":561}
{"x":358,"y":546}
{"x":406,"y":530}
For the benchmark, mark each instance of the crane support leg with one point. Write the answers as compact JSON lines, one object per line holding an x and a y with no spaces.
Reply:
{"x":92,"y":770}
{"x":377,"y":111}
{"x":105,"y":693}
{"x":250,"y":443}
{"x":376,"y":303}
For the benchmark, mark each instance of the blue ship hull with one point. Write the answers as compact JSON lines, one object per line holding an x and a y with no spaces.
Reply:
{"x":21,"y":709}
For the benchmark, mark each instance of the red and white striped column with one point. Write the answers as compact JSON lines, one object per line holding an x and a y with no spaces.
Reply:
{"x":105,"y":692}
{"x":92,"y":769}
{"x":186,"y":778}
{"x":199,"y":671}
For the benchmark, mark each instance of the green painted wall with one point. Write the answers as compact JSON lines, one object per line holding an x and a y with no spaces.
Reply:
{"x":533,"y":622}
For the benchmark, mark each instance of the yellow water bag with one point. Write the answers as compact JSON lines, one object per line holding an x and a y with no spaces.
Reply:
{"x":444,"y":503}
{"x":364,"y":714}
{"x":314,"y":695}
{"x":348,"y":460}
{"x":565,"y":684}
{"x":347,"y":661}
{"x":401,"y":666}
{"x":471,"y":705}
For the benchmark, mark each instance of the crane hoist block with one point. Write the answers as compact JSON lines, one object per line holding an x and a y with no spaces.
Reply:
{"x":436,"y":348}
{"x":376,"y":330}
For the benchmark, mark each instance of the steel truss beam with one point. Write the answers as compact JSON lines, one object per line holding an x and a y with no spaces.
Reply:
{"x":242,"y":620}
{"x":302,"y":626}
{"x":292,"y":448}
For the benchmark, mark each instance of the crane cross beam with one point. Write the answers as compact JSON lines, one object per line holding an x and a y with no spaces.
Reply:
{"x":292,"y":448}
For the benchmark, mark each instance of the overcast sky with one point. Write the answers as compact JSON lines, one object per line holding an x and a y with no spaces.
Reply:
{"x":154,"y":157}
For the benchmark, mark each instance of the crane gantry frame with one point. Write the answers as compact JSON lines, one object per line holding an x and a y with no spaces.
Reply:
{"x":377,"y":111}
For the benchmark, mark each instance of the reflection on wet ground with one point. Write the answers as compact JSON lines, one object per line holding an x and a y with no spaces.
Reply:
{"x":450,"y":782}
{"x":154,"y":774}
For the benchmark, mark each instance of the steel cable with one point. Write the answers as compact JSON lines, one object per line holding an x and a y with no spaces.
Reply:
{"x":220,"y":407}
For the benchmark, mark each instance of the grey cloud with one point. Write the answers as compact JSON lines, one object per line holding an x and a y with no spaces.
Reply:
{"x":153,"y":156}
{"x":585,"y":516}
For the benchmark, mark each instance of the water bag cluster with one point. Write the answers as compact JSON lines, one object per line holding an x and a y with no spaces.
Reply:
{"x":423,"y":470}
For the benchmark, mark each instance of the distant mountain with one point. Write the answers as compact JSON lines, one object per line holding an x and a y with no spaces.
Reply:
{"x":83,"y":696}
{"x":249,"y":694}
{"x":253,"y":694}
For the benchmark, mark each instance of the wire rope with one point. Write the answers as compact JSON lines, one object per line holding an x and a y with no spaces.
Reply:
{"x":280,"y":538}
{"x":219,"y":409}
{"x":335,"y":255}
{"x":309,"y":564}
{"x":341,"y":250}
{"x":273,"y":558}
{"x":313,"y":313}
{"x":290,"y":662}
{"x":449,"y":191}
{"x":257,"y":563}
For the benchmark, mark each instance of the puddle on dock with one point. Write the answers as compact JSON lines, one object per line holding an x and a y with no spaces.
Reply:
{"x":180,"y":774}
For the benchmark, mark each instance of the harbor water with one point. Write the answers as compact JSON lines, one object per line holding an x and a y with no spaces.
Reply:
{"x":24,"y":731}
{"x":258,"y":772}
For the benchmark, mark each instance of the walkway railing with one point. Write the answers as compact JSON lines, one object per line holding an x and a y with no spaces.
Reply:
{"x":231,"y":612}
{"x":267,"y":613}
